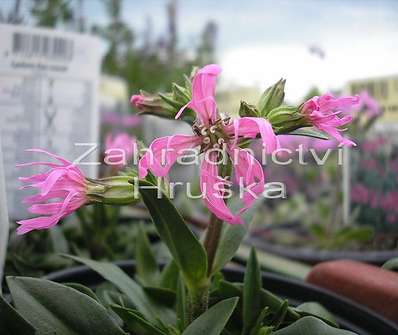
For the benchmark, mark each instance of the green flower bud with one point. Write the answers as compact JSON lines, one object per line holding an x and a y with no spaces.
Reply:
{"x":147,"y":103}
{"x":285,"y":119}
{"x":248,"y":110}
{"x":114,"y":190}
{"x":272,"y":97}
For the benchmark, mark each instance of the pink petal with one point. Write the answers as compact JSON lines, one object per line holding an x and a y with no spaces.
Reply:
{"x":211,"y":187}
{"x":46,"y":185}
{"x":163,"y":153}
{"x":43,"y":222}
{"x":203,"y":94}
{"x":248,"y":173}
{"x":328,"y":102}
{"x":62,"y":160}
{"x":250,"y":127}
{"x":46,"y":209}
{"x":37,"y":198}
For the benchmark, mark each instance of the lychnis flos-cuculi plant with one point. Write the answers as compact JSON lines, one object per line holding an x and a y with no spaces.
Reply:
{"x":199,"y":300}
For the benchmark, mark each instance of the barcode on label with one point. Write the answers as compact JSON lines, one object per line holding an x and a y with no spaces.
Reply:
{"x":35,"y":45}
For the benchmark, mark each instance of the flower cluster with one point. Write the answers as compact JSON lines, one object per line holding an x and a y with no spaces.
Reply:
{"x":214,"y":134}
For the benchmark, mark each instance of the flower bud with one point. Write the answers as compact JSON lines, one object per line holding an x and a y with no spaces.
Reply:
{"x":114,"y":190}
{"x":272,"y":97}
{"x":285,"y":119}
{"x":151,"y":104}
{"x":247,"y":110}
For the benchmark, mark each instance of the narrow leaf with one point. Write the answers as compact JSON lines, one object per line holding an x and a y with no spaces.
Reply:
{"x":316,"y":309}
{"x":146,"y":265}
{"x":251,"y":293}
{"x":169,"y":276}
{"x":53,"y":308}
{"x":130,"y":288}
{"x":185,"y":248}
{"x":213,"y":321}
{"x":163,"y":296}
{"x":310,"y":132}
{"x":232,"y":237}
{"x":83,"y":289}
{"x":11,"y":322}
{"x":310,"y":325}
{"x":135,"y":322}
{"x":181,"y":305}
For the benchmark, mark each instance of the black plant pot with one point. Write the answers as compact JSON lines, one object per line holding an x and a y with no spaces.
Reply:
{"x":349,"y":315}
{"x":315,"y":256}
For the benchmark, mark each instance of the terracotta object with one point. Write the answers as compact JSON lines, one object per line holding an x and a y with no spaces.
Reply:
{"x":366,"y":284}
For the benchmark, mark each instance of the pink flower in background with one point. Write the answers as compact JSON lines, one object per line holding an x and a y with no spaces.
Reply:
{"x":123,"y":120}
{"x":120,"y":142}
{"x":373,"y":145}
{"x":389,"y":201}
{"x":392,"y":218}
{"x":360,"y":194}
{"x":368,"y":105}
{"x":212,"y":132}
{"x":61,"y":191}
{"x":323,"y":112}
{"x":130,"y":120}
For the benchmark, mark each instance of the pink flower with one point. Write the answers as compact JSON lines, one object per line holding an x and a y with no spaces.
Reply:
{"x":372,"y":146}
{"x":389,"y":201}
{"x":137,"y":100}
{"x":130,"y":120}
{"x":368,"y":104}
{"x":360,"y":194}
{"x":118,"y":119}
{"x":323,"y":111}
{"x":121,"y":142}
{"x":214,"y":135}
{"x":61,"y":191}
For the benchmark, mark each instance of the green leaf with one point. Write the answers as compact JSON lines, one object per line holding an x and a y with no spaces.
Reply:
{"x":272,"y":97}
{"x":310,"y":325}
{"x":251,"y":293}
{"x":185,"y":248}
{"x":232,"y":237}
{"x":112,"y":273}
{"x":162,"y":295}
{"x":57,"y":309}
{"x":268,"y":299}
{"x":83,"y":289}
{"x":317,"y":310}
{"x":181,"y":305}
{"x":391,"y":264}
{"x":169,"y":276}
{"x":135,"y":322}
{"x":146,"y":265}
{"x":213,"y":321}
{"x":310,"y":132}
{"x":11,"y":322}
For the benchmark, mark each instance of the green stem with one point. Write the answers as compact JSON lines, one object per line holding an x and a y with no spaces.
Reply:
{"x":214,"y":230}
{"x":198,"y":301}
{"x":212,"y":240}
